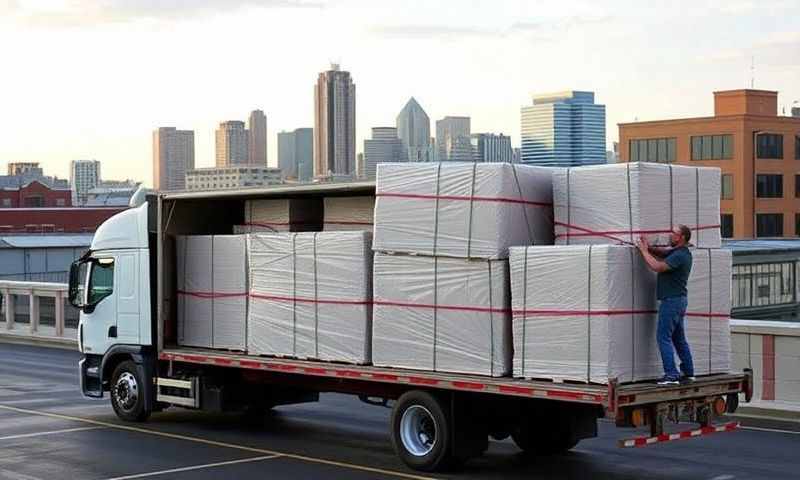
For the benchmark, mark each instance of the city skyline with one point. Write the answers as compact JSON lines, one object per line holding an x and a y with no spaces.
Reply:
{"x":671,"y":61}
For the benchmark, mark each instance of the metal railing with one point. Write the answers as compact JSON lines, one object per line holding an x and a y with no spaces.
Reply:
{"x":37,"y":310}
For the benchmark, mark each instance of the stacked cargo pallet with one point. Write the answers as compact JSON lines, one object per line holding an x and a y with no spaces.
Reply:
{"x":585,"y":310}
{"x":310,"y":295}
{"x":441,"y":288}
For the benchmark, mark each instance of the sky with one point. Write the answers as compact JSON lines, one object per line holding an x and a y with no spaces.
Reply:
{"x":84,"y":79}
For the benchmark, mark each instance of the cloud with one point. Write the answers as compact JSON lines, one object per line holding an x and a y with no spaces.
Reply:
{"x":544,"y":28}
{"x":79,"y":13}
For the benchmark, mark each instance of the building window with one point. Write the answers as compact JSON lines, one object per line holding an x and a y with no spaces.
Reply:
{"x":656,"y":150}
{"x":712,"y":147}
{"x":797,"y":224}
{"x":797,"y":186}
{"x":797,"y":147}
{"x":6,"y":202}
{"x":726,"y":225}
{"x":769,"y":225}
{"x":60,"y":202}
{"x":769,"y":186}
{"x":34,"y":201}
{"x":769,"y":145}
{"x":727,"y":187}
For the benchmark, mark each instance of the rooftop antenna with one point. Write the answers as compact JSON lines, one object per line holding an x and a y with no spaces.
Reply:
{"x":752,"y":71}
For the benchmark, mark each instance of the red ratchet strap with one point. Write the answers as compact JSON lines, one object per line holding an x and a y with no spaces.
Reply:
{"x":585,"y":232}
{"x":346,"y":222}
{"x":577,"y":313}
{"x":462,"y":308}
{"x":210,"y":295}
{"x":469,"y":198}
{"x":279,"y":298}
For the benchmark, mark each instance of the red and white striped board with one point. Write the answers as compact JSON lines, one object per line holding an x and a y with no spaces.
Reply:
{"x":669,"y":437}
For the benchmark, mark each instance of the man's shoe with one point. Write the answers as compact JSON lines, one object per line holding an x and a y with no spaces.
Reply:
{"x":687,"y":379}
{"x":667,"y":382}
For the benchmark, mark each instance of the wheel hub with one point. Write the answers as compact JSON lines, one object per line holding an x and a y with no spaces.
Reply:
{"x":126,"y":391}
{"x":418,"y":430}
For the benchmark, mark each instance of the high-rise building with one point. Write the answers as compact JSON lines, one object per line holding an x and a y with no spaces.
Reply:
{"x":232,"y":144}
{"x":84,"y":175}
{"x":452,"y":139}
{"x":516,"y":155}
{"x":492,"y":148}
{"x":796,"y":112}
{"x":564,"y":129}
{"x":173,"y":156}
{"x":384,"y":147}
{"x":257,"y":138}
{"x":414,"y":130}
{"x":334,"y":124}
{"x":25,"y":168}
{"x":756,"y":150}
{"x":296,"y":154}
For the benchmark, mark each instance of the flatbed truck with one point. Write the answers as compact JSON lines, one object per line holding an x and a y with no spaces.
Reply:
{"x":125,"y":289}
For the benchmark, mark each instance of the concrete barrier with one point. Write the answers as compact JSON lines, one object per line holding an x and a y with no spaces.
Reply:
{"x":772,"y":350}
{"x":24,"y":316}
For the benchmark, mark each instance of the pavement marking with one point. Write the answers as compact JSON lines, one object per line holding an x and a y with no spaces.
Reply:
{"x":774,"y":430}
{"x":195,"y":467}
{"x":215,"y":443}
{"x":36,"y":434}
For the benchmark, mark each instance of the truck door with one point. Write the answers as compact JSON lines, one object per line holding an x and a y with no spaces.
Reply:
{"x":99,"y":321}
{"x":127,"y":273}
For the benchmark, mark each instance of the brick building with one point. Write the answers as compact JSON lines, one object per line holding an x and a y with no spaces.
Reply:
{"x":34,"y":194}
{"x":48,"y":220}
{"x":757,"y":151}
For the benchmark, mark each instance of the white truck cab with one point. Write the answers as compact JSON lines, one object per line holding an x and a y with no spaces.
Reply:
{"x":110,"y":285}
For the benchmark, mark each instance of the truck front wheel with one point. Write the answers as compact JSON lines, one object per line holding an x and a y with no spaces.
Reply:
{"x":128,"y":393}
{"x":421,"y":431}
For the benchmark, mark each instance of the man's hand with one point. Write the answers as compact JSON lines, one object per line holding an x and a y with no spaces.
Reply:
{"x":643,"y":244}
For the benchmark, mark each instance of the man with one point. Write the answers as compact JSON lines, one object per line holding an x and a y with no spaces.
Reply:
{"x":673,"y":265}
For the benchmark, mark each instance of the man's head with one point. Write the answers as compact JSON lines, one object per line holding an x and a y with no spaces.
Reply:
{"x":680,"y":237}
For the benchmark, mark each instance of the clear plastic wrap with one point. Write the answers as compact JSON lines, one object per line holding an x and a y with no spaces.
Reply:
{"x":310,"y":295}
{"x":615,"y":204}
{"x":708,"y":315}
{"x":349,"y":213}
{"x":212,"y":291}
{"x":583,"y":313}
{"x":442,"y":314}
{"x":589,"y":313}
{"x":465,"y":210}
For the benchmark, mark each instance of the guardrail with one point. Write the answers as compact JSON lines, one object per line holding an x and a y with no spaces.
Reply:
{"x":37,"y":311}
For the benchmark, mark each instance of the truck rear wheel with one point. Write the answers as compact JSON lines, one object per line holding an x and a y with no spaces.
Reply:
{"x":421,"y":431}
{"x":128,"y":393}
{"x":543,"y":439}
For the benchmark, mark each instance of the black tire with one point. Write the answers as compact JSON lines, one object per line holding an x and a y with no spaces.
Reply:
{"x":431,"y":417}
{"x":544,"y":440}
{"x":127,"y":391}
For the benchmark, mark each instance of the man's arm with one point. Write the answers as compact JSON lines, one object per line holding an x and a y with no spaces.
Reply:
{"x":657,"y":265}
{"x":660,"y":251}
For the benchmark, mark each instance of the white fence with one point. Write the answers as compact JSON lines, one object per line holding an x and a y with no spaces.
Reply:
{"x":37,"y":310}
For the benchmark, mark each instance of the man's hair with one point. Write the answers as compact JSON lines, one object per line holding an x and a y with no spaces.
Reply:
{"x":686,"y":233}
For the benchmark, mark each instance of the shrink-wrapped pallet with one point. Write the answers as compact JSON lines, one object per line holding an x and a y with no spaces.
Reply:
{"x":466,"y":210}
{"x":583,"y":313}
{"x":349,"y":213}
{"x":212,"y":291}
{"x":281,"y":215}
{"x":310,"y":295}
{"x":617,"y":203}
{"x":442,"y":314}
{"x":708,"y":314}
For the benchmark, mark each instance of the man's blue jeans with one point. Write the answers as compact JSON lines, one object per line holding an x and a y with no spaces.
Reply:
{"x":671,"y":332}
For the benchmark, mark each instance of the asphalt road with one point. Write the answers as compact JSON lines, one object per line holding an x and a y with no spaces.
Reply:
{"x":48,"y":431}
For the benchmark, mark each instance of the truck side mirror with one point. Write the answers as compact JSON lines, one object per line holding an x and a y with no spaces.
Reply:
{"x":77,"y":277}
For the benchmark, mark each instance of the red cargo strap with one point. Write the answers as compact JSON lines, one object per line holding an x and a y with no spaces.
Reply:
{"x":279,"y":298}
{"x":209,"y":295}
{"x":585,"y":232}
{"x":462,"y":308}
